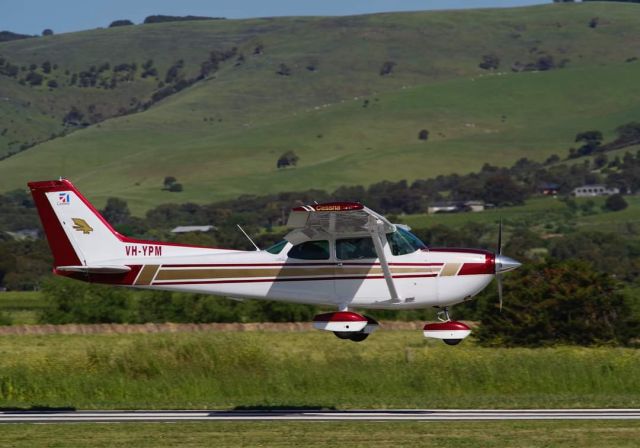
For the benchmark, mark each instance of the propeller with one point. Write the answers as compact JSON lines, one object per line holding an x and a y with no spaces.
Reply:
{"x":498,"y":274}
{"x":503,"y":264}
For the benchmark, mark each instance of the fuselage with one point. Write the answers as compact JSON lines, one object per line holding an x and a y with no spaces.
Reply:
{"x":423,"y":277}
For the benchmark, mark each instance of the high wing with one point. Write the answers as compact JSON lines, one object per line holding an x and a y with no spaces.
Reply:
{"x":336,"y":219}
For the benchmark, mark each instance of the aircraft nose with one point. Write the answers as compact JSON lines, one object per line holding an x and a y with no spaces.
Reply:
{"x":506,"y":264}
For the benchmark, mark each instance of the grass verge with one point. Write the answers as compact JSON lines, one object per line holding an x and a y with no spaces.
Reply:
{"x":583,"y":434}
{"x":392,"y":369}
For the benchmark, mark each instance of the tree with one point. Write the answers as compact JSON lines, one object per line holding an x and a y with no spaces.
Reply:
{"x":121,"y":22}
{"x":116,"y":211}
{"x":283,"y":70}
{"x":387,"y":68}
{"x":73,"y":117}
{"x":168,"y":181}
{"x":489,"y":62}
{"x":289,"y":158}
{"x":47,"y":32}
{"x":34,"y":79}
{"x":171,"y":184}
{"x":629,"y":133}
{"x":46,"y":67}
{"x":558,"y":303}
{"x":500,"y":189}
{"x":615,"y":203}
{"x":423,"y":135}
{"x":591,"y":140}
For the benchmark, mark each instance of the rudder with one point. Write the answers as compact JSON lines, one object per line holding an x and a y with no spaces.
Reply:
{"x":76,"y":232}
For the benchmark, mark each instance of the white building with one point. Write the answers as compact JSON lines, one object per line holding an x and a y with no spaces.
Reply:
{"x":594,"y":190}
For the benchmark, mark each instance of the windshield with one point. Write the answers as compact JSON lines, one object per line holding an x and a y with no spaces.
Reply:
{"x":403,"y":242}
{"x":277,"y":248}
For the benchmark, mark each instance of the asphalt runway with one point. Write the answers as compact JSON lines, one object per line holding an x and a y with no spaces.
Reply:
{"x":55,"y":416}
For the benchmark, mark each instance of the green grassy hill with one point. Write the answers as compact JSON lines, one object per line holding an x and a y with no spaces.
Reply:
{"x":221,"y":137}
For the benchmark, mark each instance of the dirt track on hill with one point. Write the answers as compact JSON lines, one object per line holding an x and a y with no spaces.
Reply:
{"x":178,"y":328}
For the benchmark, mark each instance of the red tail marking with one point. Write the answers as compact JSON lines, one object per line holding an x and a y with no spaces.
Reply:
{"x":61,"y":248}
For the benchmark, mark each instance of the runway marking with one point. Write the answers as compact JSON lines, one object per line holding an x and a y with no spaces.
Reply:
{"x":54,"y":416}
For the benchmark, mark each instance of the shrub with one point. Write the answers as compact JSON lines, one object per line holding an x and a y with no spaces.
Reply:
{"x":387,"y":68}
{"x":558,"y":303}
{"x":489,"y":62}
{"x":283,"y":70}
{"x":615,"y":203}
{"x":289,"y":158}
{"x":122,"y":22}
{"x":423,"y":135}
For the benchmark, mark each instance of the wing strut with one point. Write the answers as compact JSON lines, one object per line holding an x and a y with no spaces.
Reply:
{"x":376,"y":229}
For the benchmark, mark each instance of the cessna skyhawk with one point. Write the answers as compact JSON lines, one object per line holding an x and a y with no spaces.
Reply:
{"x":340,"y":254}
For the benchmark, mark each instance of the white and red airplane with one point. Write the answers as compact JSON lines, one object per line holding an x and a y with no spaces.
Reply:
{"x":338,"y":254}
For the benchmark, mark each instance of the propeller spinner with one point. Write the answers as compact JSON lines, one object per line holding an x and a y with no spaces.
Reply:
{"x":503,"y":264}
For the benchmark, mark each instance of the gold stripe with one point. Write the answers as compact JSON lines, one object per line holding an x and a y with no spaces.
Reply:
{"x":201,"y":274}
{"x":146,"y":275}
{"x":450,"y":269}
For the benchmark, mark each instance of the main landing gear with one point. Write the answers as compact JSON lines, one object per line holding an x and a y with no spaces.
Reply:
{"x":450,"y":331}
{"x":346,"y":325}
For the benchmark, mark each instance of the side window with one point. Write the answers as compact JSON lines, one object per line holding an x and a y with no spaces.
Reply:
{"x":310,"y":250}
{"x":355,"y":249}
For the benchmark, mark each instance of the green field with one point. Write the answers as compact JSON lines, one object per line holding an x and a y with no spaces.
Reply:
{"x":392,"y":369}
{"x":541,"y":213}
{"x":574,"y":434}
{"x":221,"y":137}
{"x":21,"y":307}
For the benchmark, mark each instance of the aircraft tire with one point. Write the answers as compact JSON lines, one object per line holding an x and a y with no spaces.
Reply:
{"x":343,"y":334}
{"x":358,"y":337}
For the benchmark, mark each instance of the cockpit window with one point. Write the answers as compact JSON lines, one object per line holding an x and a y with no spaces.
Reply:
{"x":403,"y":242}
{"x":355,"y":249}
{"x":310,"y":250}
{"x":277,"y":248}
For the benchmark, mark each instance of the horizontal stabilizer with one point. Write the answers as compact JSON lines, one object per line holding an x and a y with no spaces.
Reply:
{"x":95,"y":269}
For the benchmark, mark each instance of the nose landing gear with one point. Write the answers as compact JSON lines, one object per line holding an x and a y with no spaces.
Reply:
{"x":450,"y":331}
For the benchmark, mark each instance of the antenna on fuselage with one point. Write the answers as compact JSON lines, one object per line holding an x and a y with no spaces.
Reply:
{"x":248,"y":237}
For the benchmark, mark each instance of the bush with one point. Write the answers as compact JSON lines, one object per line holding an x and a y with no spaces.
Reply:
{"x":423,"y":135}
{"x":283,"y":70}
{"x":489,"y":62}
{"x":289,"y":158}
{"x":387,"y":68}
{"x":558,"y":303}
{"x":70,"y":301}
{"x":34,"y":79}
{"x":122,"y":22}
{"x":615,"y":203}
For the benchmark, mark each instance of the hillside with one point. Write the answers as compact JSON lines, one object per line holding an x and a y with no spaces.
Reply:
{"x":221,"y":135}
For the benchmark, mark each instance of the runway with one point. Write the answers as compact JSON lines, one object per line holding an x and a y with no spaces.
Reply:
{"x":55,"y":416}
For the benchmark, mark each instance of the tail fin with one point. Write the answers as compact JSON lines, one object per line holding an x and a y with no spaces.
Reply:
{"x":78,"y":235}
